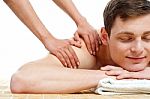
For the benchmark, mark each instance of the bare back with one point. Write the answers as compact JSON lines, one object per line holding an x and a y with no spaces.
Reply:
{"x":87,"y":61}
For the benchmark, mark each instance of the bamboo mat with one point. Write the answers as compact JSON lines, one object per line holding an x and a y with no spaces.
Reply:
{"x":6,"y":94}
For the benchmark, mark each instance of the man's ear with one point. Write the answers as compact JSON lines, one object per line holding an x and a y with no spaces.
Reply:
{"x":104,"y":36}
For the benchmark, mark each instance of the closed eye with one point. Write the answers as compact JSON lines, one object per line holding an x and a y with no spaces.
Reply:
{"x":125,"y":38}
{"x":146,"y":37}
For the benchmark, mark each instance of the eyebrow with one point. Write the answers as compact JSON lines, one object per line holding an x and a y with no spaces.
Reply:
{"x":128,"y":33}
{"x":131,"y":33}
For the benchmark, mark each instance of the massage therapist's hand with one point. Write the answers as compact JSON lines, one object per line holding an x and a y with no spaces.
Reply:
{"x":63,"y":51}
{"x":120,"y":73}
{"x":89,"y":35}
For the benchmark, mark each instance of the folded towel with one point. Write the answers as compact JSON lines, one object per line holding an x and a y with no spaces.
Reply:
{"x":109,"y":86}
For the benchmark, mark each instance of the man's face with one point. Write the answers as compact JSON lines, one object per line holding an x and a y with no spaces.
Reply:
{"x":129,"y":43}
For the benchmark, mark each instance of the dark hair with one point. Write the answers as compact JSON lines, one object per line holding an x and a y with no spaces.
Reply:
{"x":124,"y":9}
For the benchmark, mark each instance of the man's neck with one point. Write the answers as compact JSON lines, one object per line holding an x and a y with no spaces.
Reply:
{"x":103,"y":56}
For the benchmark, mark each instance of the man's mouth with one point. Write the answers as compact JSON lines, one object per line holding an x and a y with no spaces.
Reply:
{"x":136,"y":59}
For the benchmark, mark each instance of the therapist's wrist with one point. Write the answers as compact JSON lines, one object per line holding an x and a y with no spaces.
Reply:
{"x":82,"y":20}
{"x":46,"y":38}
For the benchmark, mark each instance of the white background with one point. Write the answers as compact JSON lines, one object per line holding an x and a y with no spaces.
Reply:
{"x":18,"y":45}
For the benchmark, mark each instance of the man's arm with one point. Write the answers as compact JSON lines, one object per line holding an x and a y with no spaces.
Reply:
{"x":121,"y":73}
{"x":85,"y":30}
{"x":60,"y":48}
{"x":39,"y":78}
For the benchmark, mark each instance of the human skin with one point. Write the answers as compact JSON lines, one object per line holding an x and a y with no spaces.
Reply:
{"x":44,"y":76}
{"x":48,"y":75}
{"x":121,"y":73}
{"x":60,"y":48}
{"x":131,"y":40}
{"x":136,"y":49}
{"x":84,"y":29}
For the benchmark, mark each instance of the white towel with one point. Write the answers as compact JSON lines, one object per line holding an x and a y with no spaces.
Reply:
{"x":109,"y":86}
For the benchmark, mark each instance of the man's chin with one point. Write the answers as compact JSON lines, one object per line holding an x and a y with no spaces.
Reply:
{"x":135,"y":68}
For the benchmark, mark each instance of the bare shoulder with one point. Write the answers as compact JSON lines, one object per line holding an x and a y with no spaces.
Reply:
{"x":86,"y":59}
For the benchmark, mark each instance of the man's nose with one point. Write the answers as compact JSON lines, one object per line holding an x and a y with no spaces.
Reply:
{"x":137,"y":48}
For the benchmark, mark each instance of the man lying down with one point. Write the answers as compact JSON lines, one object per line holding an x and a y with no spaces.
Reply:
{"x":124,"y":54}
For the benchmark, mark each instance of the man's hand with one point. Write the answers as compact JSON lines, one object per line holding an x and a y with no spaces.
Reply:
{"x":120,"y":73}
{"x":89,"y":35}
{"x":63,"y":51}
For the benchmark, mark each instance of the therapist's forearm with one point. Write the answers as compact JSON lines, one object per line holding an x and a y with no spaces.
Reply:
{"x":25,"y":12}
{"x":69,"y":7}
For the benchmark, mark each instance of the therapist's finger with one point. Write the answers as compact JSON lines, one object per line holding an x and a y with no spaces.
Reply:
{"x":75,"y":43}
{"x":92,"y":43}
{"x":72,"y":61}
{"x":87,"y":42}
{"x":60,"y":56}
